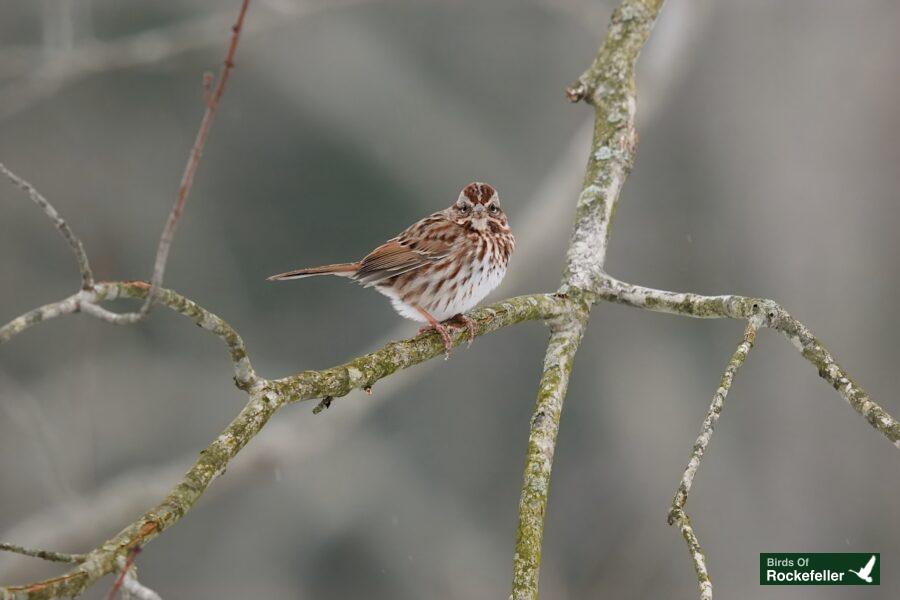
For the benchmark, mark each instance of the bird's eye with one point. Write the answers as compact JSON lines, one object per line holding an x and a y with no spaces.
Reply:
{"x":493,"y":209}
{"x":464,"y":208}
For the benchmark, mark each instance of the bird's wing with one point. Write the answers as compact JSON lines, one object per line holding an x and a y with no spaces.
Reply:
{"x":868,"y":568}
{"x":400,"y":255}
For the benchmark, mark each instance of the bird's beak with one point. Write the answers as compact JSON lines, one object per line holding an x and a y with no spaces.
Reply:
{"x":479,"y":210}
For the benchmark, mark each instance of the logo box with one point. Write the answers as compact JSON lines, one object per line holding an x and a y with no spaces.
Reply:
{"x":810,"y":568}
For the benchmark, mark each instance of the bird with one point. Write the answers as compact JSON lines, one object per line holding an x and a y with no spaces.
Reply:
{"x":866,"y":572}
{"x":440,"y":267}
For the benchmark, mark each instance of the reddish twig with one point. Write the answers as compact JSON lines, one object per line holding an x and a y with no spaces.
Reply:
{"x":187,"y":179}
{"x":128,"y":563}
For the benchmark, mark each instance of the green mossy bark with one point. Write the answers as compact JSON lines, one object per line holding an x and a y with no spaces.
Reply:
{"x":266,"y":397}
{"x":609,"y":86}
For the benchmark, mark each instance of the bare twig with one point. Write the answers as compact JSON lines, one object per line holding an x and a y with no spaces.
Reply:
{"x":771,"y":315}
{"x":712,"y":416}
{"x":43,"y":313}
{"x":44,"y":554}
{"x":84,"y":265}
{"x":677,"y":514}
{"x":190,"y":169}
{"x":87,"y":301}
{"x":128,"y":563}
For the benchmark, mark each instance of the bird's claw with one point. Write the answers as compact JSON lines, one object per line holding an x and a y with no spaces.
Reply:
{"x":464,"y":321}
{"x":445,"y":335}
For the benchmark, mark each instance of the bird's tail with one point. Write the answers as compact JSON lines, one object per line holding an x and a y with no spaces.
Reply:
{"x":339,"y":269}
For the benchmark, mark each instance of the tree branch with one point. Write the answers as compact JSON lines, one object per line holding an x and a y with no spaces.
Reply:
{"x":772,"y":315}
{"x":190,"y":169}
{"x":44,"y":554}
{"x":266,"y":397}
{"x":565,"y":336}
{"x":87,"y":301}
{"x":697,"y":555}
{"x":677,"y":514}
{"x":84,"y":265}
{"x":609,"y":86}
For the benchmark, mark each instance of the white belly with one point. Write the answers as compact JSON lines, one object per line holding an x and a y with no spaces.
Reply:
{"x":475,"y":282}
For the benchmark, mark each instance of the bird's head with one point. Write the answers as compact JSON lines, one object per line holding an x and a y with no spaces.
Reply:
{"x":478,"y":208}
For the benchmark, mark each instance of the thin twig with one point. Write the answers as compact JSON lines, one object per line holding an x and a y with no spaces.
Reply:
{"x":712,"y":416}
{"x":190,"y":169}
{"x":44,"y":554}
{"x":88,"y":302}
{"x":47,"y":312}
{"x":704,"y":584}
{"x":84,"y":266}
{"x":771,"y":315}
{"x":677,"y":514}
{"x":129,"y":561}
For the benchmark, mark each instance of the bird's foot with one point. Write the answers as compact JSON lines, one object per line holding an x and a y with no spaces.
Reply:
{"x":445,"y":335}
{"x":462,"y":320}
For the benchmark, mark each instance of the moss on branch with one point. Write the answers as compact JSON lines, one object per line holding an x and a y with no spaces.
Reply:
{"x":608,"y":85}
{"x":266,"y":397}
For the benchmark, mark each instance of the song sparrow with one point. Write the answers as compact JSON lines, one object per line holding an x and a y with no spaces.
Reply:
{"x":441,"y":266}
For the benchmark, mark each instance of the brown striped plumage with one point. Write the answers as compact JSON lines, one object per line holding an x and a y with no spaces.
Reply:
{"x":441,"y":266}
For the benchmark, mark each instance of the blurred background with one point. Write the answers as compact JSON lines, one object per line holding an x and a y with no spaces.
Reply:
{"x":768,"y":166}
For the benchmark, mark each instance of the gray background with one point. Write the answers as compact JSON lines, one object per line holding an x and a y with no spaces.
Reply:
{"x":768,"y":165}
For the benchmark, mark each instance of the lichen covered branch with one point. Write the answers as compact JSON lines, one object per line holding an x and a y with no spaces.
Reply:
{"x":565,"y":336}
{"x":244,"y":374}
{"x":712,"y":416}
{"x":42,"y":554}
{"x":366,"y":370}
{"x":609,"y":86}
{"x":771,"y":315}
{"x":38,"y":315}
{"x":266,"y":397}
{"x":677,"y":514}
{"x":704,"y":584}
{"x":84,"y":265}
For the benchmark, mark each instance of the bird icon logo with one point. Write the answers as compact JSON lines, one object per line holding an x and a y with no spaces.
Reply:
{"x":866,"y":572}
